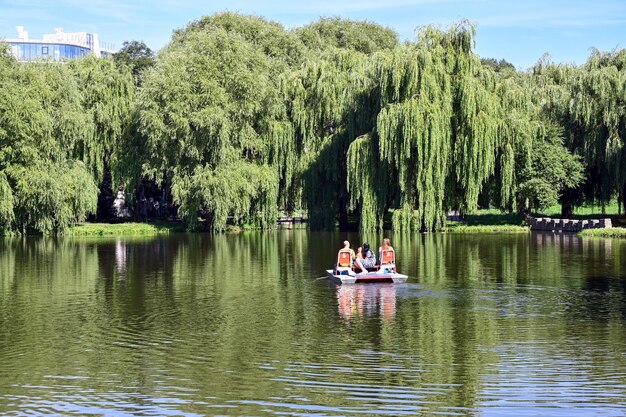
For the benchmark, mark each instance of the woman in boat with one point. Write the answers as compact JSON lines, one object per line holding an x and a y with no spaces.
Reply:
{"x":366,"y":258}
{"x":385,"y":246}
{"x":387,"y":257}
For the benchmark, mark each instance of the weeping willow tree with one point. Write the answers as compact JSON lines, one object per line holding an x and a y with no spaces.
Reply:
{"x":337,"y":33}
{"x":589,"y":103}
{"x":7,"y":203}
{"x":447,"y":126}
{"x":598,"y":106}
{"x":107,"y":94}
{"x":215,"y":122}
{"x":519,"y":126}
{"x":329,"y":105}
{"x":414,"y":130}
{"x":436,"y":111}
{"x":43,"y":188}
{"x":367,"y":182}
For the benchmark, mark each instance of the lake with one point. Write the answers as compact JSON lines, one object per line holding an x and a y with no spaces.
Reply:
{"x":244,"y":324}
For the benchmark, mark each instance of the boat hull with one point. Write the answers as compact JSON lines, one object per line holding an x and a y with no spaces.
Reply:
{"x":369,"y":277}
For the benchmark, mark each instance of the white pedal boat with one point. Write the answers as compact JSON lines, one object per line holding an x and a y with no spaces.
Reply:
{"x":377,"y":276}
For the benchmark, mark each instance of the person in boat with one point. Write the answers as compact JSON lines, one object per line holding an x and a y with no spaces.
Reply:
{"x":345,"y":261}
{"x":388,"y":263}
{"x":346,"y":247}
{"x":385,"y":246}
{"x":366,"y":258}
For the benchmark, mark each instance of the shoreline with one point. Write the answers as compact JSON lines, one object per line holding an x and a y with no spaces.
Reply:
{"x":160,"y":228}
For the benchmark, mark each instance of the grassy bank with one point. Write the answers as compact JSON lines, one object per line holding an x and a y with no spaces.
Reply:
{"x":488,"y":221}
{"x":454,"y":227}
{"x":586,"y":211}
{"x":616,"y":232}
{"x":126,"y":229}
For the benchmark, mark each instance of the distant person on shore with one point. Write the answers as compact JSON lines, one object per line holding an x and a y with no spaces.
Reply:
{"x":366,"y":258}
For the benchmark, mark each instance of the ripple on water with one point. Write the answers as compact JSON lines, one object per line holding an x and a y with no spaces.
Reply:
{"x":175,"y":338}
{"x":552,"y":383}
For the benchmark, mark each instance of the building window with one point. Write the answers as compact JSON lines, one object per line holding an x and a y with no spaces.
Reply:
{"x":44,"y":50}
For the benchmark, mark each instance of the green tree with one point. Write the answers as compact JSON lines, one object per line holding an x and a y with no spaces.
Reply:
{"x":42,"y":187}
{"x":588,"y":102}
{"x":135,"y":55}
{"x":365,"y":37}
{"x":107,"y":95}
{"x":208,"y":111}
{"x":501,"y":65}
{"x":552,"y":169}
{"x":442,"y":131}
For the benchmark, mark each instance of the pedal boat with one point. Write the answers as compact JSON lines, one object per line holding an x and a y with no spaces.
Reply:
{"x":343,"y":273}
{"x":374,"y":276}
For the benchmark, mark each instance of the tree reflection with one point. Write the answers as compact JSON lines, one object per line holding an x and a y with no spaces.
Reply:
{"x":231,"y":317}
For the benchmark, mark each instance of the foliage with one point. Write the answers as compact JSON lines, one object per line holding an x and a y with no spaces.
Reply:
{"x":498,"y":65}
{"x":244,"y":192}
{"x":487,"y":217}
{"x":135,"y":55}
{"x":7,"y":202}
{"x":589,"y":102}
{"x":209,"y":111}
{"x":269,"y":38}
{"x":446,"y":123}
{"x":367,"y":182}
{"x":51,"y":197}
{"x":238,"y":117}
{"x":42,"y":188}
{"x":329,"y":104}
{"x":582,"y":212}
{"x":551,"y":169}
{"x":335,"y":32}
{"x":107,"y":95}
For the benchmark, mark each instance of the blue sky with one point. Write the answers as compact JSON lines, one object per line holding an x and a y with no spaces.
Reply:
{"x":518,"y":31}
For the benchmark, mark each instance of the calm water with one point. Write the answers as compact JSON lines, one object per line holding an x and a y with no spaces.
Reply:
{"x":240,"y":324}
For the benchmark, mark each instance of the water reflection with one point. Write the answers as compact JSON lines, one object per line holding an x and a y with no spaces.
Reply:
{"x":238,"y":325}
{"x":120,"y":257}
{"x":367,"y":299}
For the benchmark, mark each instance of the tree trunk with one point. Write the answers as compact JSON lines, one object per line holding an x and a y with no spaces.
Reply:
{"x":567,"y":209}
{"x":523,"y":206}
{"x":104,"y":210}
{"x":139,"y":197}
{"x":567,"y":204}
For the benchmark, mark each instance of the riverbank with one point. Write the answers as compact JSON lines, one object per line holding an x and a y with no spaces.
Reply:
{"x":127,"y":229}
{"x":615,"y":232}
{"x":465,"y":228}
{"x":488,"y":221}
{"x":483,"y":221}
